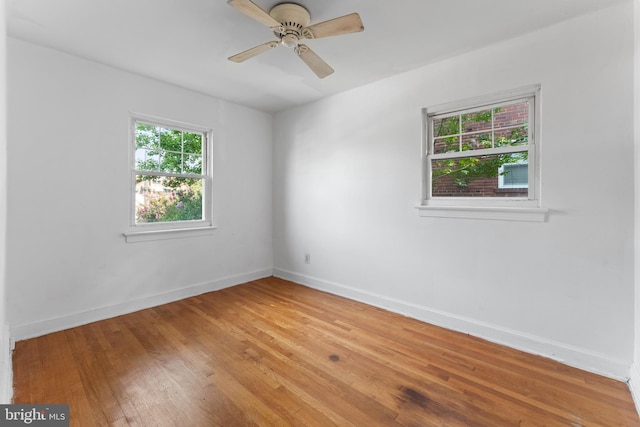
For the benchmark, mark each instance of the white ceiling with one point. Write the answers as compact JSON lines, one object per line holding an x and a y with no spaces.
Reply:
{"x":187,"y":42}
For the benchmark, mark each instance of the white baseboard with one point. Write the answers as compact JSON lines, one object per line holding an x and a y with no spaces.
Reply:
{"x":634,"y":385}
{"x":31,"y":330}
{"x":569,"y":355}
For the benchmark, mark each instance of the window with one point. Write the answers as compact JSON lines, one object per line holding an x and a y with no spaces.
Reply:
{"x":513,"y":175}
{"x":170,"y":179}
{"x":480,"y":158}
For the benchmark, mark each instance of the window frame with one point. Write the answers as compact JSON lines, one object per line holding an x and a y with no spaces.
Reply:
{"x":511,"y":208}
{"x":174,"y":229}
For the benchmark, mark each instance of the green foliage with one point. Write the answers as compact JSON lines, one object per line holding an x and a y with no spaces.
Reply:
{"x":167,"y":150}
{"x":171,"y":151}
{"x":183,"y":204}
{"x":465,"y":170}
{"x":452,"y":125}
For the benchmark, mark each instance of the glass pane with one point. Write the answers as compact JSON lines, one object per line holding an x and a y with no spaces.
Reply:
{"x":473,"y":176}
{"x":446,"y":145}
{"x":170,"y":140}
{"x":511,"y":137}
{"x":147,"y":160}
{"x":446,"y":126}
{"x":515,"y":175}
{"x":171,"y":162}
{"x":168,"y":199}
{"x":146,"y":136}
{"x":192,"y":143}
{"x":193,"y":163}
{"x":480,"y":120}
{"x":476,"y":141}
{"x":511,"y":115}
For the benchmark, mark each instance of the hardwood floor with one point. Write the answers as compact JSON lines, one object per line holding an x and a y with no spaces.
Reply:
{"x":273,"y":353}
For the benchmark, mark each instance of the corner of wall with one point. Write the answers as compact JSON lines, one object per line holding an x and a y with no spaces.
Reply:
{"x":634,"y":371}
{"x":6,"y":367}
{"x":634,"y":384}
{"x":6,"y":372}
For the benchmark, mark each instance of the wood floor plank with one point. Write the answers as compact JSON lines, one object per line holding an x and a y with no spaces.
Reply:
{"x":274,"y":353}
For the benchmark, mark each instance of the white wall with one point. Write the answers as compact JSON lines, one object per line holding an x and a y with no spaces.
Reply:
{"x":68,"y":177}
{"x":347,"y":178}
{"x":635,"y":371}
{"x":5,"y":353}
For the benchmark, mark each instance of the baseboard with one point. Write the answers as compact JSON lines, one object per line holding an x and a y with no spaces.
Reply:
{"x":634,"y":385}
{"x":566,"y":354}
{"x":31,"y":330}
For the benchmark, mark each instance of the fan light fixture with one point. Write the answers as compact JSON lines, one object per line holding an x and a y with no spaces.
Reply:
{"x":289,"y":40}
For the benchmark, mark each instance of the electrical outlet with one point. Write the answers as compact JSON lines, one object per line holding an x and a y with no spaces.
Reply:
{"x":307,"y":258}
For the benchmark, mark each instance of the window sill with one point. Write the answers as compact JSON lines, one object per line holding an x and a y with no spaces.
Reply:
{"x":176,"y":233}
{"x":485,"y":212}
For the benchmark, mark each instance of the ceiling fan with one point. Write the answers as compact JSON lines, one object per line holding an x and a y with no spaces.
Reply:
{"x":290,"y":23}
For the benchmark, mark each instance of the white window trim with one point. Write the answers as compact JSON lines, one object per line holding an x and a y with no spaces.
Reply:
{"x":511,"y":208}
{"x":177,"y":229}
{"x":177,"y":233}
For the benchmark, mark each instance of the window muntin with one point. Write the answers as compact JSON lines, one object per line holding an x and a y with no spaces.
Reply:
{"x":160,"y":149}
{"x":170,"y":175}
{"x":467,"y":145}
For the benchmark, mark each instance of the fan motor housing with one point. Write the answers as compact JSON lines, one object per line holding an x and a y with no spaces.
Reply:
{"x":291,"y":14}
{"x":293,"y":18}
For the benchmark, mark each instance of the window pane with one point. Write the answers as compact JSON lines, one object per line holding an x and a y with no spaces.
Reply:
{"x":476,"y":141}
{"x":515,"y":175}
{"x":192,"y":143}
{"x":147,"y":160}
{"x":170,"y":140}
{"x":168,"y":150}
{"x":511,"y":115}
{"x":446,"y":126}
{"x":171,"y":162}
{"x":473,"y":176}
{"x":146,"y":137}
{"x":168,"y":199}
{"x":446,"y":145}
{"x":514,"y":136}
{"x":480,"y":120}
{"x":192,"y":164}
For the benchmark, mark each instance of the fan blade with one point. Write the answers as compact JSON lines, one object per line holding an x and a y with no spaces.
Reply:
{"x":253,"y":11}
{"x":334,"y":27}
{"x":313,"y":61}
{"x":243,"y":56}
